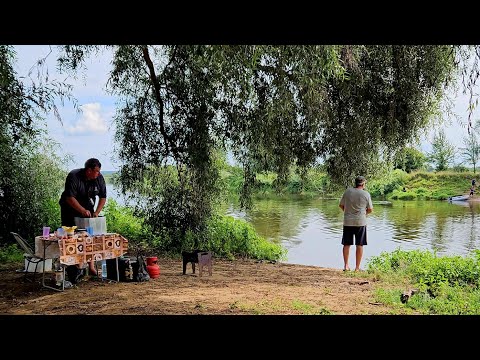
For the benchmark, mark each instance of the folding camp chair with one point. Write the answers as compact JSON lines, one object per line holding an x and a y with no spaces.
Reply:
{"x":29,"y":255}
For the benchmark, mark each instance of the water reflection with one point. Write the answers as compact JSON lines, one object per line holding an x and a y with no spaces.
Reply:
{"x":311,"y":230}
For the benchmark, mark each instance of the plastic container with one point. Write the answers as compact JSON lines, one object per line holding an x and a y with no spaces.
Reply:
{"x":99,"y":224}
{"x":58,"y":277}
{"x":152,"y":267}
{"x":104,"y":269}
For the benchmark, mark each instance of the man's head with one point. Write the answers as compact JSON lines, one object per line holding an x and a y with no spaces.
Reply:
{"x":360,"y":181}
{"x":92,"y":168}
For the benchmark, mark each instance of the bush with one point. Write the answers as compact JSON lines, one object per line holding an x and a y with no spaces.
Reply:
{"x":230,"y":237}
{"x":10,"y":253}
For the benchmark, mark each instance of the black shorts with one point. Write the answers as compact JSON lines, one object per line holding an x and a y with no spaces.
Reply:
{"x":360,"y":233}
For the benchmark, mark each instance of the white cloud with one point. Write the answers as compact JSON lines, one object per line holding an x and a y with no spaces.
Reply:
{"x":91,"y":121}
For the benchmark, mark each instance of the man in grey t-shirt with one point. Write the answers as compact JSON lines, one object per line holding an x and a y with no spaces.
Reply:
{"x":356,"y":203}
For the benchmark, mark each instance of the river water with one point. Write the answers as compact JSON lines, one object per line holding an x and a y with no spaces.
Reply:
{"x":311,"y":229}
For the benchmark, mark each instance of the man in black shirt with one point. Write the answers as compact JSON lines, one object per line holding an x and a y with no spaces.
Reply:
{"x":81,"y":188}
{"x":78,"y":199}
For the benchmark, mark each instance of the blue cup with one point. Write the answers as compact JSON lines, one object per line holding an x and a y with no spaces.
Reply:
{"x":90,"y":230}
{"x":60,"y":232}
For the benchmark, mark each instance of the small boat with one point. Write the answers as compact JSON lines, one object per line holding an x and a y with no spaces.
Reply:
{"x":458,"y":198}
{"x":381,"y":202}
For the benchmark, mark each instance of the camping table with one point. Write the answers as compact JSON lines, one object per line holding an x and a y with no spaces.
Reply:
{"x":44,"y":243}
{"x":80,"y":248}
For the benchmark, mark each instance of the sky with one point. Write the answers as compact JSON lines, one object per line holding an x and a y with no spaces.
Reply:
{"x":90,"y":133}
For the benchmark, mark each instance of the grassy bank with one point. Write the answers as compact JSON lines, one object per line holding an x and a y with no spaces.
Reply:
{"x":433,"y":186}
{"x":447,"y":285}
{"x":397,"y":185}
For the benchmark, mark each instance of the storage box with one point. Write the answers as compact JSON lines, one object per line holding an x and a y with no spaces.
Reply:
{"x":99,"y":224}
{"x":30,"y":267}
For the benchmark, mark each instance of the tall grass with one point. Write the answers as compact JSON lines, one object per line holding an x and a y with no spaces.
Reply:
{"x":446,"y":285}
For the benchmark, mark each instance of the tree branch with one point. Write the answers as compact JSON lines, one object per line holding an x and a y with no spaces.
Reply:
{"x":158,"y":98}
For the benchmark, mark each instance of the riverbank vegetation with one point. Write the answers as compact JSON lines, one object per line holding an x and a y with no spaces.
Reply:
{"x":447,"y":285}
{"x":393,"y":185}
{"x":225,"y":236}
{"x":262,"y":104}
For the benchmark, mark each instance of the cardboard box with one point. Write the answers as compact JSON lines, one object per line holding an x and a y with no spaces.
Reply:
{"x":99,"y":224}
{"x":31,"y":267}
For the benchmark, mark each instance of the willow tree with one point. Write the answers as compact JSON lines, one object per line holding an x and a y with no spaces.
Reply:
{"x":29,"y":169}
{"x":349,"y":107}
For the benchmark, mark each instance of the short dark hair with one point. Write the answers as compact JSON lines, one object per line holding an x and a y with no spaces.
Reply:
{"x":359,"y":180}
{"x":92,"y":163}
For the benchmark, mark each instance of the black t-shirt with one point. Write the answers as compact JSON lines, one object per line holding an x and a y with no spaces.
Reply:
{"x":84,"y":191}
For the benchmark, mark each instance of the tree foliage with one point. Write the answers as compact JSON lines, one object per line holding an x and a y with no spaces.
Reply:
{"x":443,"y":153}
{"x":30,"y":175}
{"x":409,"y":159}
{"x":348,"y":107}
{"x":471,"y":151}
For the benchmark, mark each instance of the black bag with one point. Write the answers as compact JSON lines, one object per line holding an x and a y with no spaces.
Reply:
{"x":74,"y":274}
{"x":141,"y":273}
{"x":125,"y":269}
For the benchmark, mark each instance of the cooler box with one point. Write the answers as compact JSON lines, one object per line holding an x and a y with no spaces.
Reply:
{"x":99,"y":224}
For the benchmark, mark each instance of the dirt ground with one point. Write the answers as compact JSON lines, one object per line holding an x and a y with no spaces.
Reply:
{"x":235,"y":287}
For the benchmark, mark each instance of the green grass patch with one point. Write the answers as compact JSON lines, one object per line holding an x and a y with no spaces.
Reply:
{"x":446,"y":285}
{"x":274,"y":306}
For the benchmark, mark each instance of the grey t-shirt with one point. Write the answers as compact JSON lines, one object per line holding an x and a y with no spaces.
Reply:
{"x":355,"y":202}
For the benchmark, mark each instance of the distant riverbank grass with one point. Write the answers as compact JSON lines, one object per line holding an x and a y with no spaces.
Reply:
{"x":433,"y":186}
{"x":446,"y":285}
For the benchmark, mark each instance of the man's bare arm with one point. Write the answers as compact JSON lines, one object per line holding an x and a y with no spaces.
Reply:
{"x":101,"y":202}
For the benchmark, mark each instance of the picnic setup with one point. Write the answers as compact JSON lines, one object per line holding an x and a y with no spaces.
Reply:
{"x":79,"y":248}
{"x":73,"y":247}
{"x":67,"y":248}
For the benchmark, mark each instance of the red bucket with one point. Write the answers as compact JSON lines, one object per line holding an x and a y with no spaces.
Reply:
{"x":152,"y":267}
